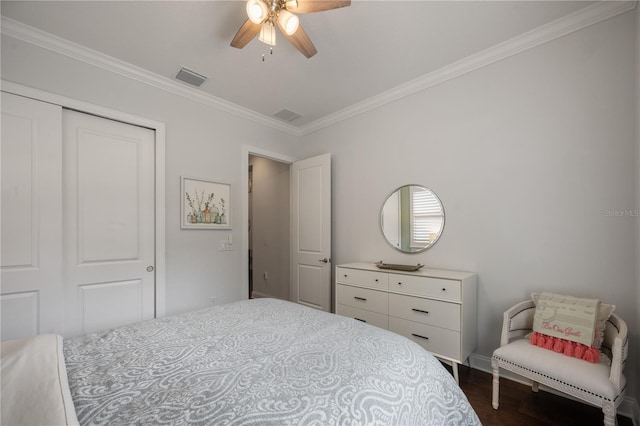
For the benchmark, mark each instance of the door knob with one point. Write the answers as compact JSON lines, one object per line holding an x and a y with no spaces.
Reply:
{"x":325,"y":260}
{"x":149,"y":268}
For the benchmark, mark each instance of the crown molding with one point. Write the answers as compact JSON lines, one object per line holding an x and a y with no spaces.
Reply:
{"x":31,"y":35}
{"x":578,"y":20}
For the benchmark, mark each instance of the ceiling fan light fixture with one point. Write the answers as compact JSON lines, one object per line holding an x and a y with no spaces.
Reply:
{"x":268,"y":34}
{"x":288,"y":22}
{"x":257,"y":11}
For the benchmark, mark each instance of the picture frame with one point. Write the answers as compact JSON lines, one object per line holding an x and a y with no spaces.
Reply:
{"x":205,"y":204}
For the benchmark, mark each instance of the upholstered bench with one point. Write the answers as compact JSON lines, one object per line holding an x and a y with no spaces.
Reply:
{"x":601,"y":384}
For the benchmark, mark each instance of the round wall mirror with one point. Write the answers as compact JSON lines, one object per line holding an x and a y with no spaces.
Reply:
{"x":412,"y":218}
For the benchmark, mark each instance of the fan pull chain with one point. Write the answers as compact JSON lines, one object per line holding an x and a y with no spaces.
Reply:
{"x":270,"y":52}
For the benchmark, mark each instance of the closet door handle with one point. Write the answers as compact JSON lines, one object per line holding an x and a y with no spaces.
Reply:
{"x":417,"y":335}
{"x":420,"y":310}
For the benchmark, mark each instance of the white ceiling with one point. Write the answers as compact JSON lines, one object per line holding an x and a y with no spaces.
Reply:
{"x":364,"y":50}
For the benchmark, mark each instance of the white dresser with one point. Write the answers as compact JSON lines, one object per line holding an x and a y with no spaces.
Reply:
{"x":435,"y":308}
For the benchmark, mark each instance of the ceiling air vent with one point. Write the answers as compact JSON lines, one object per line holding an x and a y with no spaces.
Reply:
{"x":287,"y":115}
{"x":191,"y":77}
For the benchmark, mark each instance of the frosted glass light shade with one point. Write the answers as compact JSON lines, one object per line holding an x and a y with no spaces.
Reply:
{"x":288,"y":22}
{"x":268,"y":34}
{"x":257,"y":11}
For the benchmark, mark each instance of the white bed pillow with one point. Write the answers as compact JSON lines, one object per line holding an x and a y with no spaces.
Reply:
{"x":35,"y":389}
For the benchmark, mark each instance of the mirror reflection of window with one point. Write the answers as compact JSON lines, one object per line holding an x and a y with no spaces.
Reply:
{"x":412,"y":218}
{"x":427,"y":217}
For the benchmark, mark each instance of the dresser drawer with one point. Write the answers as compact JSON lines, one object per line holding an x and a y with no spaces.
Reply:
{"x":363,"y":298}
{"x":373,"y":318}
{"x":379,"y":280}
{"x":426,"y":311}
{"x":437,"y":340}
{"x":426,"y":286}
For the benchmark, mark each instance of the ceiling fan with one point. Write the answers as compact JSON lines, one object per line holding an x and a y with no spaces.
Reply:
{"x":264,"y":15}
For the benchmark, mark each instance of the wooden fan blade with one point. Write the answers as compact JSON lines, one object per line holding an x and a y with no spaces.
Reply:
{"x":245,"y":34}
{"x":309,"y":6}
{"x":300,"y":41}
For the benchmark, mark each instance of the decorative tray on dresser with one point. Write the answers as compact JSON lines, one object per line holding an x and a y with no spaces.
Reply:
{"x":435,"y":308}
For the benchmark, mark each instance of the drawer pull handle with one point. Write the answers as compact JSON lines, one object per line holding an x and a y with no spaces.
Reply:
{"x":358,"y":319}
{"x":376,"y":280}
{"x":345,"y":275}
{"x":444,"y":289}
{"x":420,"y":310}
{"x":399,"y":283}
{"x":417,"y":335}
{"x":360,"y":298}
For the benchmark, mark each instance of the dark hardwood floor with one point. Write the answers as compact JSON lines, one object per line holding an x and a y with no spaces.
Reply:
{"x":519,"y":406}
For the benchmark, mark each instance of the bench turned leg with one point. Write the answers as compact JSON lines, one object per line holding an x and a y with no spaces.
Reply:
{"x":496,"y":387}
{"x":609,"y":411}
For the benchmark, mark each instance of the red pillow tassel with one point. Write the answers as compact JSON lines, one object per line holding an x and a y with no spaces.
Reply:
{"x":591,"y":355}
{"x":533,"y":339}
{"x":579,"y":351}
{"x":566,"y":347}
{"x":569,"y":347}
{"x":548,"y":344}
{"x":558,"y":345}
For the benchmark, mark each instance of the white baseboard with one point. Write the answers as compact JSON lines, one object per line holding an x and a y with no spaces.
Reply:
{"x":628,"y":408}
{"x":258,"y":295}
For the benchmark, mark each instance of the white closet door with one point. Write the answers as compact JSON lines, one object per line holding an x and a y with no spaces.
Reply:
{"x":108,"y":225}
{"x":32,"y":292}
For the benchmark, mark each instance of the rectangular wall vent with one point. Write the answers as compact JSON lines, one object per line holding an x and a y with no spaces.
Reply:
{"x":287,"y":115}
{"x":190,"y":77}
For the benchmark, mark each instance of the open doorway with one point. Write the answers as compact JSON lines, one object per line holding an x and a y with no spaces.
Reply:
{"x":269,"y":228}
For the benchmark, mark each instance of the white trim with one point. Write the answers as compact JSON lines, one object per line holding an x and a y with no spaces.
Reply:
{"x":573,"y":22}
{"x":159,"y":128}
{"x":578,"y":20}
{"x":245,"y":151}
{"x":72,"y":50}
{"x":628,"y":407}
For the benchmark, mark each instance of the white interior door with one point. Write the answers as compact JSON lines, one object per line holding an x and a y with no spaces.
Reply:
{"x":108,"y":204}
{"x":32,"y":292}
{"x":311,"y":232}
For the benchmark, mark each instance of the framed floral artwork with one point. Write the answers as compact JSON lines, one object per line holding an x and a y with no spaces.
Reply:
{"x":205,"y":204}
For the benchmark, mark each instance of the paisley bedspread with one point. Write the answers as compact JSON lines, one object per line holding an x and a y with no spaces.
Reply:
{"x":262,"y":362}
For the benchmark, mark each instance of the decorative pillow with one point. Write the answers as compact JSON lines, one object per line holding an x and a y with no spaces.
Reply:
{"x":566,"y":325}
{"x":604,"y":312}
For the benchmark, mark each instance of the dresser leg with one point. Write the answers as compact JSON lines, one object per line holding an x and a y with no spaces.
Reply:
{"x":454,"y":367}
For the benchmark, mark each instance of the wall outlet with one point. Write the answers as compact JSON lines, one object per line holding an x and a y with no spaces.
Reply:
{"x":225,"y":245}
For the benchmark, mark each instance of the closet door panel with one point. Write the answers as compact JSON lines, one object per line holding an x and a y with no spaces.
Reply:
{"x":109,"y":219}
{"x":32,"y":292}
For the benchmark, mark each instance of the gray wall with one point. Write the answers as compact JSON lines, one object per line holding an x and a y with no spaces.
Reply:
{"x":636,"y":341}
{"x":270,"y":227}
{"x":201,"y":141}
{"x":531,"y":156}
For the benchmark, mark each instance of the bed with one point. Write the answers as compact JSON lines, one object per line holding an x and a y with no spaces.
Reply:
{"x":262,"y":361}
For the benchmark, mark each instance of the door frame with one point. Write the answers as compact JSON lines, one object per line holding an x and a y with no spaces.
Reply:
{"x":246,"y":151}
{"x":159,"y":128}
